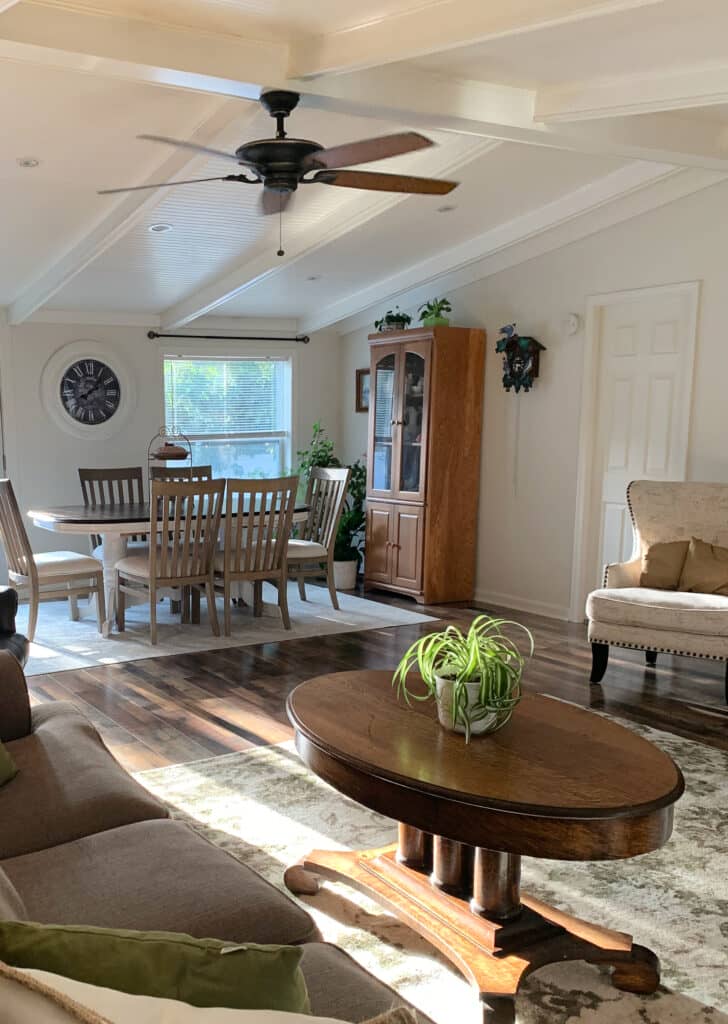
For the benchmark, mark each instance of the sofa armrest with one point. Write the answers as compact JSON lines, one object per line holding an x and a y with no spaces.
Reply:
{"x":15,"y":721}
{"x":8,"y":609}
{"x":623,"y":574}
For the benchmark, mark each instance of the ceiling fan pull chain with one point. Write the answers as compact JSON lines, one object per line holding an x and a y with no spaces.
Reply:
{"x":280,"y":226}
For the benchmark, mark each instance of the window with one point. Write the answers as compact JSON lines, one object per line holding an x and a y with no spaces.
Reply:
{"x":236,"y":412}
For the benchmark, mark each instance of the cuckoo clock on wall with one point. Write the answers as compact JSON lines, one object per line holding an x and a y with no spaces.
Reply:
{"x":520,"y":358}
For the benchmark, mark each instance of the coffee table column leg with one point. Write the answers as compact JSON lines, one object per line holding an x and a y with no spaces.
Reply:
{"x":414,"y":847}
{"x":451,"y":866}
{"x":496,"y":885}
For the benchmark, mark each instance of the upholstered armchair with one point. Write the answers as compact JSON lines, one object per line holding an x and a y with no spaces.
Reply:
{"x":625,"y":614}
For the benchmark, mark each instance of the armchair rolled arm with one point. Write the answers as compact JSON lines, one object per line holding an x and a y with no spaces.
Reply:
{"x":15,"y":721}
{"x":623,"y":574}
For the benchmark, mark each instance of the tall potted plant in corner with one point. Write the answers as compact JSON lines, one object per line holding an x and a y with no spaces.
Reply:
{"x":350,"y":536}
{"x":474,"y":677}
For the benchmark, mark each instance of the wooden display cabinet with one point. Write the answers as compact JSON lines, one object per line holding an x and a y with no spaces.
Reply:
{"x":425,"y":421}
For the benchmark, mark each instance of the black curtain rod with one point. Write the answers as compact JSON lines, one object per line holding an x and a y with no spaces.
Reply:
{"x":301,"y":339}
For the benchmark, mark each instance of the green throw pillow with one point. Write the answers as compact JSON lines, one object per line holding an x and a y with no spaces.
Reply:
{"x":202,"y":972}
{"x":8,"y":767}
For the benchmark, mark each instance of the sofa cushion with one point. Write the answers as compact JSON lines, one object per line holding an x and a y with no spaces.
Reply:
{"x":12,"y":907}
{"x":8,"y":767}
{"x":705,"y":614}
{"x":706,"y":569}
{"x":15,"y":719}
{"x":68,"y":785}
{"x":156,"y":876}
{"x":662,"y":564}
{"x":201,"y":972}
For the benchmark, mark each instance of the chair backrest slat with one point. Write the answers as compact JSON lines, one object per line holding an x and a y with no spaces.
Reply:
{"x":18,"y":551}
{"x":187,"y":516}
{"x":325,"y":497}
{"x":181,"y":473}
{"x":103,"y":487}
{"x":256,"y":542}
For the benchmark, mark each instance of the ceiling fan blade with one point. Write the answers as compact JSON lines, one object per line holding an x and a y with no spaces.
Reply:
{"x":377,"y":182}
{"x":168,"y":184}
{"x":274,"y":202}
{"x":183,"y":144}
{"x":367,"y":150}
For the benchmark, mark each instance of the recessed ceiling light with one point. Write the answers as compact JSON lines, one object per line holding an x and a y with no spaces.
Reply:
{"x":446,"y":209}
{"x":27,"y":161}
{"x":159,"y":229}
{"x":313,"y":277}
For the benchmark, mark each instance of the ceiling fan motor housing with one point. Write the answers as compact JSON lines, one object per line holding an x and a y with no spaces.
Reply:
{"x":278,"y":161}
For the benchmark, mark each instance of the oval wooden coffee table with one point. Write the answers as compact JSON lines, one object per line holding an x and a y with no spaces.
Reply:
{"x":556,"y":782}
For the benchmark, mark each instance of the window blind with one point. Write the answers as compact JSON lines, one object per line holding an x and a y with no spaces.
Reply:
{"x":226,"y":396}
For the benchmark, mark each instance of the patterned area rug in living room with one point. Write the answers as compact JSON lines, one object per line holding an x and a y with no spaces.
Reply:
{"x":268,"y":810}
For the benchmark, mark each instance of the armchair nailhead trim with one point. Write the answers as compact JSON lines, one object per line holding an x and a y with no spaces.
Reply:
{"x":660,"y":650}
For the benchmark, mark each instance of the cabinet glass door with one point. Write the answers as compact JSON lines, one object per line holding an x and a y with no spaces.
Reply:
{"x":413,"y":423}
{"x":384,"y":397}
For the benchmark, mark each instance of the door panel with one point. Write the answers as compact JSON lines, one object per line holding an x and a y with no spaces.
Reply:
{"x":644,"y":394}
{"x":408,"y":547}
{"x":377,"y":565}
{"x":412,"y":419}
{"x":383,"y":419}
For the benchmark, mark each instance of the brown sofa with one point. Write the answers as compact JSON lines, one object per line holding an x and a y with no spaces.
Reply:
{"x":81,"y":842}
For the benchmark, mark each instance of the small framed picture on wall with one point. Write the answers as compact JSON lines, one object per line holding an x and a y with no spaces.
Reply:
{"x":362,"y":390}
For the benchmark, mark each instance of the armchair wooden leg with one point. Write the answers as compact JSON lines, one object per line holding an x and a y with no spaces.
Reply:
{"x":302,"y":588}
{"x":651,"y":657}
{"x":600,"y":658}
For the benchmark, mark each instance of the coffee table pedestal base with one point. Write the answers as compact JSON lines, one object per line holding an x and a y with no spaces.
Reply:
{"x":493,"y":955}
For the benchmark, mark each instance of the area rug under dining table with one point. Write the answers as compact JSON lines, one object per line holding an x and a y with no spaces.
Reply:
{"x":267,"y":809}
{"x":62,"y":644}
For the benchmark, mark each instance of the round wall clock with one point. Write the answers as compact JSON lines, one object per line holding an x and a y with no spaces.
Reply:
{"x":90,"y":391}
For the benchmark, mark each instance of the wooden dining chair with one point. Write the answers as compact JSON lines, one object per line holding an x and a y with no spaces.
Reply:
{"x":103,"y":487}
{"x":181,"y":473}
{"x":50,"y":574}
{"x":312,"y":555}
{"x":185,"y":519}
{"x":254,"y":545}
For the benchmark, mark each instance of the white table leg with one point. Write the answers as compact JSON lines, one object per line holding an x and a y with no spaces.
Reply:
{"x":113,"y":548}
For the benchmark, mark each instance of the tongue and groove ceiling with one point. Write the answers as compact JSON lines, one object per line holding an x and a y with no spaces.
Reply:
{"x":544,"y":111}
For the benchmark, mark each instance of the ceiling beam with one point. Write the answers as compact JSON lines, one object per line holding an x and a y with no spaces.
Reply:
{"x":462,"y":265}
{"x":125,"y":213}
{"x":247,"y":274}
{"x":632,"y":94}
{"x":140,"y":51}
{"x":423,"y":29}
{"x":407,"y":95}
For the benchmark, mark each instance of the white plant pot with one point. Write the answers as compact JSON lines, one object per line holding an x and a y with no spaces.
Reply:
{"x":345,"y":575}
{"x":444,"y":708}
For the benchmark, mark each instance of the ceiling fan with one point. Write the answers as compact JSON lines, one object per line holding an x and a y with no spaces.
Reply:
{"x":281,"y":164}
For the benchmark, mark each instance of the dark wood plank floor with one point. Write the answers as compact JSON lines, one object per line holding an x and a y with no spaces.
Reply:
{"x":168,"y":710}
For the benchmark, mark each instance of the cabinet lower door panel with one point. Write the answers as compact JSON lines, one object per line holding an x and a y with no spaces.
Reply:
{"x":378,"y":542}
{"x":408,"y":547}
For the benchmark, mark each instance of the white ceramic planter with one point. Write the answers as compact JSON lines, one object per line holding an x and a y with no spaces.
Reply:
{"x":444,"y":708}
{"x":345,"y":575}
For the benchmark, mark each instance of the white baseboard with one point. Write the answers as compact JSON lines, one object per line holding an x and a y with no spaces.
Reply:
{"x":523,"y":604}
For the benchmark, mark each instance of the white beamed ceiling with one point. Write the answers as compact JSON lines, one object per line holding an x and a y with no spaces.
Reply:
{"x":544,"y":110}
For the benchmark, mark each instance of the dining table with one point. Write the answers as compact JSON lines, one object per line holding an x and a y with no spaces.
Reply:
{"x":115,"y":524}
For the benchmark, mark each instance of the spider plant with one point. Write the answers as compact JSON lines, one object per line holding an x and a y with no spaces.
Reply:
{"x":475,"y":677}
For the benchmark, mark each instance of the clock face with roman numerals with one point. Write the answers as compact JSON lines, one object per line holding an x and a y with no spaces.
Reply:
{"x":90,"y":391}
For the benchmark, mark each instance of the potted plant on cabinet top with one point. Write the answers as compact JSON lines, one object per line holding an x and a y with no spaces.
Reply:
{"x":431,"y":313}
{"x":474,"y":677}
{"x":393,"y":320}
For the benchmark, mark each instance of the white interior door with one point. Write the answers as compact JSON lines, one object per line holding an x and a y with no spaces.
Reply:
{"x":643,"y":394}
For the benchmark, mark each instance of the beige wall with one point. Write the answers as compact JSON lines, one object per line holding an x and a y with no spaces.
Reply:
{"x":530,"y":442}
{"x":42,"y":460}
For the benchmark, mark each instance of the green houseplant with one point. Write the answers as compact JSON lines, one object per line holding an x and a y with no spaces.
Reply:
{"x":431,"y":312}
{"x":474,"y":677}
{"x":393,"y":320}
